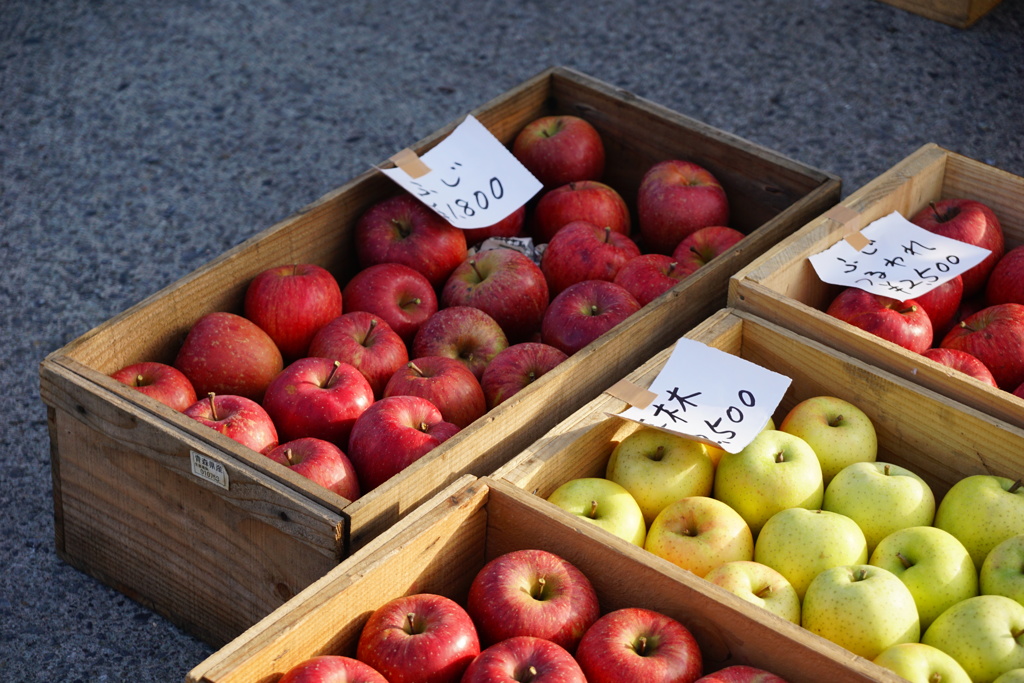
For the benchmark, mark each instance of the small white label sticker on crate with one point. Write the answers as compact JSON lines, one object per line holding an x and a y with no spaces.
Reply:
{"x":210,"y":470}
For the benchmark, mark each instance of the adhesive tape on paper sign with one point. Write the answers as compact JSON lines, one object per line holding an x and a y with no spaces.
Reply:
{"x":844,"y":215}
{"x":633,"y":394}
{"x":408,"y":161}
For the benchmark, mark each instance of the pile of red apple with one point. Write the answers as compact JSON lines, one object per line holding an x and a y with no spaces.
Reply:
{"x":530,"y":616}
{"x":349,"y":384}
{"x":975,"y":322}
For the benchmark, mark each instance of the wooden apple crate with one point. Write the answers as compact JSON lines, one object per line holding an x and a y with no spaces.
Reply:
{"x":782,"y":286}
{"x":441,"y":552}
{"x":216,"y":554}
{"x":958,"y":13}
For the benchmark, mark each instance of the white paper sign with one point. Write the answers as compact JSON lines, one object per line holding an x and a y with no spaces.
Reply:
{"x":472,"y":180}
{"x":901,"y":261}
{"x":712,"y":395}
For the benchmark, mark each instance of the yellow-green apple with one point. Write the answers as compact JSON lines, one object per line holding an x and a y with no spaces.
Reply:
{"x":291,"y":303}
{"x":585,"y":200}
{"x":699,"y":534}
{"x":517,"y":367}
{"x":317,"y":397}
{"x":399,"y":295}
{"x":446,"y":383}
{"x":366,"y":342}
{"x":881,"y":498}
{"x":715,"y":453}
{"x":560,"y":148}
{"x":969,"y":221}
{"x":941,"y":304}
{"x":638,"y":644}
{"x":604,"y":503}
{"x":659,"y":467}
{"x":392,"y":434}
{"x":464,"y":333}
{"x":982,"y":511}
{"x":775,"y":471}
{"x":961,"y":361}
{"x":800,"y":544}
{"x":904,"y":323}
{"x":648,"y":276}
{"x":319,"y":461}
{"x":699,"y":247}
{"x":532,"y":592}
{"x":506,"y":285}
{"x":1011,"y":676}
{"x":236,"y":417}
{"x":225,"y":353}
{"x":995,"y":336}
{"x":864,"y":608}
{"x":582,"y":250}
{"x":1002,"y":572}
{"x":741,"y":673}
{"x":524,"y":658}
{"x":676,"y":198}
{"x":584,"y":312}
{"x":512,"y":225}
{"x":984,"y":634}
{"x":419,"y":638}
{"x":1006,"y":282}
{"x":920,"y":663}
{"x":332,"y":669}
{"x":759,"y":585}
{"x":839,"y":432}
{"x":401,"y":229}
{"x":935,"y":566}
{"x":159,"y":381}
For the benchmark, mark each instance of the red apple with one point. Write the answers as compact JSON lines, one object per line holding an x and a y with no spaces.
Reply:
{"x":401,"y":296}
{"x":392,"y":434}
{"x":699,"y":247}
{"x":332,"y":669}
{"x":420,"y":638}
{"x":968,"y":221}
{"x":941,"y":304}
{"x":364,"y":341}
{"x":517,"y":367}
{"x":560,"y":149}
{"x":1019,"y":391}
{"x":321,"y":462}
{"x":677,"y":198}
{"x":290,"y":303}
{"x":961,"y":361}
{"x":506,"y":285}
{"x":1006,"y":281}
{"x":464,"y":333}
{"x":511,"y":225}
{"x":584,"y":312}
{"x":995,"y":335}
{"x":584,"y":251}
{"x":236,"y":417}
{"x":225,"y":353}
{"x":740,"y":673}
{"x":585,"y":200}
{"x":636,"y":644}
{"x":317,"y":397}
{"x":445,"y":382}
{"x":648,"y":276}
{"x":159,"y":381}
{"x":901,"y":322}
{"x":403,"y":230}
{"x":525,"y":659}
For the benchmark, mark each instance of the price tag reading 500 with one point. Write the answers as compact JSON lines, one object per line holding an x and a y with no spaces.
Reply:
{"x":472,"y":180}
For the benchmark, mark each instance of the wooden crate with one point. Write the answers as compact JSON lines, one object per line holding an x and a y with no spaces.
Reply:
{"x":128,"y":507}
{"x":958,"y":13}
{"x":782,"y":286}
{"x":444,"y":549}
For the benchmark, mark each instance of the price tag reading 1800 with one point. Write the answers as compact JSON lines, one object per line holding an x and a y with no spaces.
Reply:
{"x":712,"y":395}
{"x":472,"y":180}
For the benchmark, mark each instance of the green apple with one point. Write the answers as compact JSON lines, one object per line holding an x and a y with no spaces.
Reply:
{"x":1011,"y":676}
{"x":700,"y":533}
{"x":863,"y":608}
{"x":881,"y":497}
{"x":604,"y":503}
{"x":933,"y":564}
{"x":982,"y":510}
{"x":920,"y":663}
{"x":1002,"y":572}
{"x":773,"y":472}
{"x":985,"y":634}
{"x":760,"y":585}
{"x":660,"y":467}
{"x":800,"y":544}
{"x":838,"y":431}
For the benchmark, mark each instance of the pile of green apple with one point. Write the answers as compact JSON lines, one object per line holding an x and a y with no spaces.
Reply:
{"x":807,"y":523}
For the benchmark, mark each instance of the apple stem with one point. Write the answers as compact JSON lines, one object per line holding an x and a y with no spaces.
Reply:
{"x":415,"y":368}
{"x":593,"y":509}
{"x":538,"y":588}
{"x":410,"y":623}
{"x":334,"y":371}
{"x":780,"y":457}
{"x":641,"y":646}
{"x":402,"y":228}
{"x":767,"y":590}
{"x":415,"y":301}
{"x":1017,"y":633}
{"x":950,"y":214}
{"x":529,"y":674}
{"x":424,"y":427}
{"x":373,"y":323}
{"x":836,"y":421}
{"x":672,"y":267}
{"x":472,"y":264}
{"x":887,"y":469}
{"x":860,"y":574}
{"x":593,"y":309}
{"x":935,"y":678}
{"x":213,"y":406}
{"x":289,"y":456}
{"x":295,"y":269}
{"x":1014,"y":486}
{"x":607,"y":234}
{"x":694,"y":250}
{"x":907,"y":564}
{"x":909,"y":309}
{"x":659,"y":453}
{"x":963,"y":324}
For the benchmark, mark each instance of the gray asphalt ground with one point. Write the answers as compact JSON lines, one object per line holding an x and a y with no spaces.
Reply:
{"x":140,"y":139}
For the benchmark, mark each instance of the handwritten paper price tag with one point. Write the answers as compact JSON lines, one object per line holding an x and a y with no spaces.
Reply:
{"x":470,"y":179}
{"x":900,"y":260}
{"x":712,"y":395}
